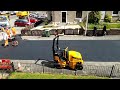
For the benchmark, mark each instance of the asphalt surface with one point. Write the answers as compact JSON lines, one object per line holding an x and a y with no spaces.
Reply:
{"x":91,"y":50}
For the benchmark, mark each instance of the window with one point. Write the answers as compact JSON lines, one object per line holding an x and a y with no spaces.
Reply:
{"x":115,"y":12}
{"x":78,"y":14}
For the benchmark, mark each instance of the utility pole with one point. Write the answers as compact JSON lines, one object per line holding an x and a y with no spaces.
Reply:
{"x":86,"y":23}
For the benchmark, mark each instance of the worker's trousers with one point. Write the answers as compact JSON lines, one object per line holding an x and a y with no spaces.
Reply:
{"x":6,"y":42}
{"x":14,"y":34}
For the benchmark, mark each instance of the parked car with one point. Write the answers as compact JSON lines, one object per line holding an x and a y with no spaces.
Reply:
{"x":12,"y":12}
{"x":4,"y":21}
{"x":33,"y":15}
{"x":22,"y":22}
{"x":2,"y":26}
{"x":33,"y":20}
{"x":3,"y":12}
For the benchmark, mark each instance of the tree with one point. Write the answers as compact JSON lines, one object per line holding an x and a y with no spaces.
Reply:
{"x":108,"y":18}
{"x":94,"y":17}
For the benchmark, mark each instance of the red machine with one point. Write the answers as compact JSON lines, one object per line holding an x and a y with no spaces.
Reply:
{"x":6,"y":64}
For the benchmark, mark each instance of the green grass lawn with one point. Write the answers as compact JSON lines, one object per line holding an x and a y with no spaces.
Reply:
{"x":20,"y":75}
{"x":108,"y":25}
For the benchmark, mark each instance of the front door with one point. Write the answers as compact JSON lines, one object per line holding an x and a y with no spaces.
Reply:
{"x":63,"y":17}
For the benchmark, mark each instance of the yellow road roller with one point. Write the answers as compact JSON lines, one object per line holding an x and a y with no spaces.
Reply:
{"x":66,"y":58}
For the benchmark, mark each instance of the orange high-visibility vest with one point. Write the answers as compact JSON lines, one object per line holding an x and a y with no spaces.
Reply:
{"x":13,"y":31}
{"x":8,"y":32}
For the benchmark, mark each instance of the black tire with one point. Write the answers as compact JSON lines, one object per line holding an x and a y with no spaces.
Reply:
{"x":81,"y":67}
{"x":2,"y":44}
{"x":78,"y":66}
{"x":56,"y":65}
{"x":55,"y":61}
{"x":15,"y":43}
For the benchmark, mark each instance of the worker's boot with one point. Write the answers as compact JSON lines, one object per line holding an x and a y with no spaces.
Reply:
{"x":2,"y":45}
{"x":6,"y":46}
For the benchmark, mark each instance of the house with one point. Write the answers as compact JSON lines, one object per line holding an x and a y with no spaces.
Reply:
{"x":69,"y":17}
{"x":72,"y":17}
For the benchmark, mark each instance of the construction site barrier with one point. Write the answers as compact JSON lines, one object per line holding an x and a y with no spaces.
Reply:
{"x":26,"y":33}
{"x":52,"y":32}
{"x":68,"y":32}
{"x":76,"y":32}
{"x":99,"y":32}
{"x":29,"y":27}
{"x":36,"y":32}
{"x":59,"y":31}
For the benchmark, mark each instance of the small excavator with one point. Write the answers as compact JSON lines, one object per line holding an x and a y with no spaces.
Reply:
{"x":66,"y":58}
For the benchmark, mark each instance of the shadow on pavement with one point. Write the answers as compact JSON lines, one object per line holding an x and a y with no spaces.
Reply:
{"x":47,"y":63}
{"x":50,"y":64}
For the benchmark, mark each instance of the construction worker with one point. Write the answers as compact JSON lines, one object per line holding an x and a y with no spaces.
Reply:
{"x":8,"y":32}
{"x":5,"y":38}
{"x":13,"y":31}
{"x":14,"y":41}
{"x":3,"y":29}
